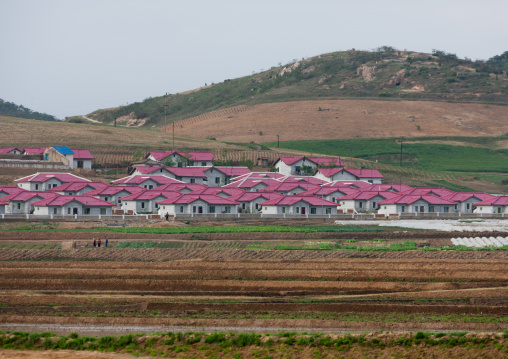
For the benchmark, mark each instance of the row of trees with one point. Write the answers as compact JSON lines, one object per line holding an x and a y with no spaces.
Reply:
{"x":13,"y":110}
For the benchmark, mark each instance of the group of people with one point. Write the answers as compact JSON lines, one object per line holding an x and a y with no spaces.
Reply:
{"x":97,"y":243}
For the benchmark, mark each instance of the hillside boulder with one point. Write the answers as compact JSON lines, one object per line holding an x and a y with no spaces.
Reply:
{"x":366,"y":72}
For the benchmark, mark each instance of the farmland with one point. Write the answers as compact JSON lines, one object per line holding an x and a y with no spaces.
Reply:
{"x":253,"y":278}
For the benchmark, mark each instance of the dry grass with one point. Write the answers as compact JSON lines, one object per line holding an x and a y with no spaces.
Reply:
{"x":302,"y":120}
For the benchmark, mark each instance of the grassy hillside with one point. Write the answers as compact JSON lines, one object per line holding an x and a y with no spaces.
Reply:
{"x":435,"y":154}
{"x":383,"y":74}
{"x":13,"y":110}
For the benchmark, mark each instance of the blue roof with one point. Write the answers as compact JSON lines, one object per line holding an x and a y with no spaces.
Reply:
{"x":63,"y":150}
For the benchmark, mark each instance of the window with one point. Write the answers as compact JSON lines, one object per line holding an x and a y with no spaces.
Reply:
{"x":446,"y":209}
{"x":415,"y":208}
{"x":150,"y":186}
{"x":243,"y":205}
{"x":297,"y":210}
{"x":106,"y":198}
{"x":212,"y":209}
{"x":227,"y":209}
{"x":178,"y":178}
{"x":68,"y":210}
{"x":283,"y":209}
{"x":431,"y":208}
{"x":257,"y":205}
{"x":156,"y":205}
{"x":499,"y":210}
{"x":19,"y":205}
{"x":192,"y":180}
{"x":403,"y":208}
{"x":203,"y":164}
{"x":297,"y":169}
{"x":217,"y":180}
{"x":181,"y":209}
{"x":103,"y":210}
{"x":360,"y":204}
{"x":87,"y":210}
{"x":55,"y":210}
{"x":80,"y":164}
{"x":119,"y":201}
{"x":145,"y":186}
{"x":374,"y":205}
{"x":313,"y":210}
{"x":36,"y":186}
{"x":333,"y":199}
{"x":468,"y":206}
{"x":142,"y":204}
{"x":328,"y":210}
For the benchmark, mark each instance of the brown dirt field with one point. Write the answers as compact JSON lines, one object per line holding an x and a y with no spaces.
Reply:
{"x":301,"y":120}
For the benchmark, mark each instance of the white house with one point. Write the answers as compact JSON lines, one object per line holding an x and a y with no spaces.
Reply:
{"x":147,"y":182}
{"x":364,"y":201}
{"x":467,"y":201}
{"x":11,"y":151}
{"x":183,"y":159}
{"x":7,"y":190}
{"x":2,"y":207}
{"x":46,"y":181}
{"x":299,"y":205}
{"x":197,"y":204}
{"x":20,"y":203}
{"x":302,"y":165}
{"x":497,"y":204}
{"x":343,"y":174}
{"x":416,"y":204}
{"x":145,"y":201}
{"x":250,"y":202}
{"x":72,"y":205}
{"x":114,"y":194}
{"x":82,"y":159}
{"x":77,"y":188}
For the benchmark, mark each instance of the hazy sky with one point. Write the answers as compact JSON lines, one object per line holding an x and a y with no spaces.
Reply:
{"x":67,"y":57}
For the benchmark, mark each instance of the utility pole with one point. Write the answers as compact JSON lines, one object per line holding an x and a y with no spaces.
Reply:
{"x":173,"y":134}
{"x":165,"y":110}
{"x":400,"y":176}
{"x":277,"y":141}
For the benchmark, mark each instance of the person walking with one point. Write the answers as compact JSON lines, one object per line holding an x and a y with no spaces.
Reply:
{"x":167,"y":216}
{"x":99,"y":243}
{"x":94,"y":243}
{"x":106,"y":242}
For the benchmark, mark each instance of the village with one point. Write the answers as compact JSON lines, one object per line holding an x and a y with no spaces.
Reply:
{"x":170,"y":184}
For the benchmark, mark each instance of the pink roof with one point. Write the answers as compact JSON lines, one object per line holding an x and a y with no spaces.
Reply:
{"x":193,"y":155}
{"x":7,"y":150}
{"x":28,"y":195}
{"x":233,"y":171}
{"x":251,"y":196}
{"x":80,"y":154}
{"x":350,"y":184}
{"x":190,"y":197}
{"x":110,"y":190}
{"x":495,"y":201}
{"x":261,"y":175}
{"x":177,"y":187}
{"x":148,"y":169}
{"x":291,"y":200}
{"x":3,"y":203}
{"x":464,"y":196}
{"x":289,"y":160}
{"x":43,"y":177}
{"x":10,"y":189}
{"x":136,"y":180}
{"x":326,"y":161}
{"x":365,"y":195}
{"x":34,"y":151}
{"x":408,"y":199}
{"x":77,"y":186}
{"x":328,"y":172}
{"x":387,"y":187}
{"x":87,"y":201}
{"x":286,"y":187}
{"x":418,"y":191}
{"x":218,"y":190}
{"x":149,"y":195}
{"x":303,"y":179}
{"x":186,"y":171}
{"x":326,"y":191}
{"x":252,"y":182}
{"x":364,"y":172}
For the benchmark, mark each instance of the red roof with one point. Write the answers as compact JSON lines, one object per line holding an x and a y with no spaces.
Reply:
{"x":43,"y":177}
{"x":208,"y":198}
{"x":28,"y":195}
{"x":80,"y":154}
{"x":387,"y":187}
{"x":326,"y":191}
{"x":464,"y":196}
{"x":364,"y":172}
{"x":350,"y":184}
{"x":10,"y":189}
{"x":149,"y":195}
{"x":251,"y":196}
{"x":87,"y":201}
{"x":3,"y":203}
{"x":34,"y":151}
{"x":289,"y":160}
{"x":289,"y":186}
{"x":77,"y":186}
{"x":193,"y":155}
{"x":233,"y":171}
{"x":365,"y":195}
{"x":252,"y":182}
{"x":7,"y":150}
{"x":291,"y":200}
{"x":495,"y":201}
{"x":328,"y":172}
{"x":303,"y":179}
{"x":408,"y":199}
{"x":177,"y":187}
{"x":418,"y":191}
{"x":148,"y":169}
{"x":217,"y":190}
{"x":186,"y":171}
{"x":110,"y":190}
{"x":136,"y":180}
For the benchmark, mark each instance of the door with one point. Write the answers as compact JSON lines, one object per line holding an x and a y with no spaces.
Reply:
{"x":74,"y":210}
{"x":200,"y":209}
{"x":422,"y":209}
{"x":303,"y":210}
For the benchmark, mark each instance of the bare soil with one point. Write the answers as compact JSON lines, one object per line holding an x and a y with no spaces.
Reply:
{"x":302,"y":120}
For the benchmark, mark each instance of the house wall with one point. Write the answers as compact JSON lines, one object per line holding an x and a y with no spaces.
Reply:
{"x":388,"y":209}
{"x":87,"y":164}
{"x":321,"y":176}
{"x":410,"y":208}
{"x":25,"y":207}
{"x":52,"y":155}
{"x":149,"y":184}
{"x":188,"y":208}
{"x":297,"y":209}
{"x":491,"y":209}
{"x":214,"y":175}
{"x":2,"y":209}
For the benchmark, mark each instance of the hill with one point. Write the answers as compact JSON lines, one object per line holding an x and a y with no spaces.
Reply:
{"x":386,"y":74}
{"x":13,"y":110}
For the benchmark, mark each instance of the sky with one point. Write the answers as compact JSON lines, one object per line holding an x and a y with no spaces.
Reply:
{"x":69,"y":57}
